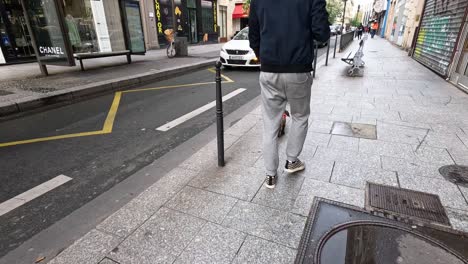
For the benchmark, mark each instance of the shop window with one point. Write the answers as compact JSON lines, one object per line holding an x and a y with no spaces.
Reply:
{"x":207,"y":16}
{"x":15,"y":40}
{"x":94,"y":25}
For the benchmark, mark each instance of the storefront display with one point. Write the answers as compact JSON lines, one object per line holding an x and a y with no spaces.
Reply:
{"x":47,"y":26}
{"x":15,"y":41}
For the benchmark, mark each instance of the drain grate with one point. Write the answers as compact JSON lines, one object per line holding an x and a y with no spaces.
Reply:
{"x":456,"y":174}
{"x":405,"y":203}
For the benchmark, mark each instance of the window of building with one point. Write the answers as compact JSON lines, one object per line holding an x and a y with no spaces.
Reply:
{"x":223,"y":22}
{"x":94,"y":25}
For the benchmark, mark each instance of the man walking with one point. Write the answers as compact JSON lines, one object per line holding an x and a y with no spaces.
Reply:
{"x":282,"y":34}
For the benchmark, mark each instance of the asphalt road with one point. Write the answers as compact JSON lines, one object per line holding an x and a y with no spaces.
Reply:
{"x":96,"y":163}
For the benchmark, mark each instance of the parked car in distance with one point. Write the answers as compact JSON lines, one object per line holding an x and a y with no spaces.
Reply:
{"x":237,"y":52}
{"x":332,"y":30}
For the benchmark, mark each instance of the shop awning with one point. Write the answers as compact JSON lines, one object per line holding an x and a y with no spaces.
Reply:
{"x":239,"y":12}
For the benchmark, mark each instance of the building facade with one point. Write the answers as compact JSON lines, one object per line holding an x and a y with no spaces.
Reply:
{"x":403,"y":21}
{"x":232,"y":18}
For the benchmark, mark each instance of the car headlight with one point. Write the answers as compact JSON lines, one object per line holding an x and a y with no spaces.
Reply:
{"x":223,"y":50}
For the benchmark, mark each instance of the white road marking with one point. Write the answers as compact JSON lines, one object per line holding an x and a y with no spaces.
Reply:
{"x":198,"y":111}
{"x":32,"y":194}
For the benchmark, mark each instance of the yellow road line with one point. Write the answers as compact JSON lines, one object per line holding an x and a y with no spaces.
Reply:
{"x":166,"y":87}
{"x":109,"y":122}
{"x":35,"y":140}
{"x":222,"y":75}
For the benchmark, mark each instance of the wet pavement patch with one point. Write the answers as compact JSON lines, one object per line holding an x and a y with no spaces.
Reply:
{"x":455,"y":173}
{"x":406,"y":204}
{"x":343,"y":234}
{"x":354,"y":130}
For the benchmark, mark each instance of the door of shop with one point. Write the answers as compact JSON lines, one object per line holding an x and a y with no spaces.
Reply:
{"x":460,"y":74}
{"x":15,"y":41}
{"x":192,"y":18}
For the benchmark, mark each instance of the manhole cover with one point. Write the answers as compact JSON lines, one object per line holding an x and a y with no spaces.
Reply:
{"x":343,"y":234}
{"x":456,"y":174}
{"x":403,"y":203}
{"x":354,"y":130}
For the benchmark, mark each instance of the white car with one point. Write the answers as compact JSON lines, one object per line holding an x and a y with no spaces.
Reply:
{"x":237,"y":52}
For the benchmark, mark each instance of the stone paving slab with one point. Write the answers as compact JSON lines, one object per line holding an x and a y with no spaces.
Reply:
{"x":259,"y":251}
{"x":91,"y":248}
{"x":233,"y":180}
{"x":206,"y":205}
{"x":160,"y":240}
{"x":357,"y":176}
{"x":136,"y":212}
{"x":214,"y":244}
{"x":268,"y":223}
{"x":312,"y":188}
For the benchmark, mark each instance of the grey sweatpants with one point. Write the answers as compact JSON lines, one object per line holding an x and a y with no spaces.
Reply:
{"x":277,"y":90}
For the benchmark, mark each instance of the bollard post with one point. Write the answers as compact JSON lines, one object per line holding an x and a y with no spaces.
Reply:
{"x":219,"y":116}
{"x":315,"y":58}
{"x":336,"y":42}
{"x":328,"y":52}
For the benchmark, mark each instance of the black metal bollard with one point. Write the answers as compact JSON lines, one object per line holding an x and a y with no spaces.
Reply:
{"x":219,"y":115}
{"x":336,"y":42}
{"x":315,"y":58}
{"x":328,"y":52}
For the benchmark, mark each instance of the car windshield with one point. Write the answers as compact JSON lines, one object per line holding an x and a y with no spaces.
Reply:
{"x":242,"y":35}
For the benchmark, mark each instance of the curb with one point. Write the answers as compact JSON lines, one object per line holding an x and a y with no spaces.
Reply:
{"x":34,"y":102}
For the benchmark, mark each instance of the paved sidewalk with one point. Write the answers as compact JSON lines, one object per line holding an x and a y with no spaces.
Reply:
{"x":24,"y":82}
{"x":199,"y":213}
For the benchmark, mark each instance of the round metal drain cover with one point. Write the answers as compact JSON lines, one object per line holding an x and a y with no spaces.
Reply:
{"x":456,"y":174}
{"x":376,"y":244}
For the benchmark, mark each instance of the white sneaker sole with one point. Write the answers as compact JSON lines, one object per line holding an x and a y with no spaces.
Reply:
{"x":295,"y":170}
{"x":270,"y":186}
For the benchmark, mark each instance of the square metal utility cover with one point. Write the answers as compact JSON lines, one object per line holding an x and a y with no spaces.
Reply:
{"x":404,"y":203}
{"x":354,"y":130}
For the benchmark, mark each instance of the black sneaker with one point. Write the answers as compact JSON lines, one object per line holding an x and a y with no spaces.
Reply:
{"x":295,"y":166}
{"x":270,"y":182}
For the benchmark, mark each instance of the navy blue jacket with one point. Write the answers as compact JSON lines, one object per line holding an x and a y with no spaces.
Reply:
{"x":282,"y":33}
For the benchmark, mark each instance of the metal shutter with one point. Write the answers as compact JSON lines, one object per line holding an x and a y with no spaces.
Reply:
{"x":437,"y":37}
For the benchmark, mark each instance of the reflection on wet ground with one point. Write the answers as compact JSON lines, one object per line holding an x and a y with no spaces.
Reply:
{"x":336,"y":233}
{"x":377,"y":244}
